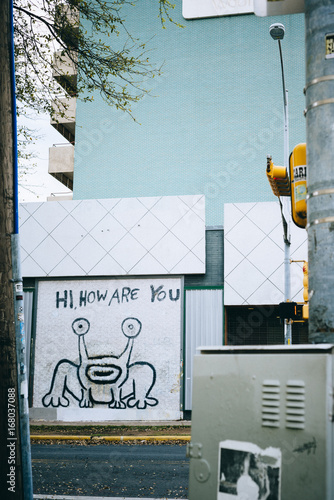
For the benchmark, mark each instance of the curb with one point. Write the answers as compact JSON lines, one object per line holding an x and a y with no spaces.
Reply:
{"x":54,"y":437}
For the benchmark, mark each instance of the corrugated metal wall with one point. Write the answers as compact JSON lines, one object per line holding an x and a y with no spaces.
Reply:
{"x":203,"y":327}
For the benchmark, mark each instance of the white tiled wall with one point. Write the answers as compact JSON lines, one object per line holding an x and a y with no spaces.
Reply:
{"x":113,"y":237}
{"x":254,"y":255}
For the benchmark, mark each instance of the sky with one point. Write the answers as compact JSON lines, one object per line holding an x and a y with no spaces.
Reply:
{"x":37,"y":184}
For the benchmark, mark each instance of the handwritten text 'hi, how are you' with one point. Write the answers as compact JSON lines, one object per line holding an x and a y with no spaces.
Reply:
{"x":83,"y":298}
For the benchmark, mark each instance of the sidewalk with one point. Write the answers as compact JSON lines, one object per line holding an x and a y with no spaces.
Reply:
{"x":62,"y":497}
{"x":169,"y":431}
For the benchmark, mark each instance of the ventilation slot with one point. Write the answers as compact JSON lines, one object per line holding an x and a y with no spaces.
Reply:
{"x":295,"y":404}
{"x":270,"y":403}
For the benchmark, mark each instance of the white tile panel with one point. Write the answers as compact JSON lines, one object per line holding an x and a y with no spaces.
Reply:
{"x":148,"y":231}
{"x":87,"y":253}
{"x":32,"y":207}
{"x":245,"y":236}
{"x":169,"y":251}
{"x":298,"y":241}
{"x":276,"y":235}
{"x":114,"y":237}
{"x":148,"y":265}
{"x":89,"y":213}
{"x":190,"y":261}
{"x":264,"y":217}
{"x":233,"y":215}
{"x":70,"y":205}
{"x":128,"y":212}
{"x":254,"y":255}
{"x":109,"y":203}
{"x":108,"y":232}
{"x":149,"y":202}
{"x":198,"y":207}
{"x":199,"y":249}
{"x":128,"y":252}
{"x":67,"y":267}
{"x":267,"y":293}
{"x":278,"y":279}
{"x":30,"y":267}
{"x":300,"y":253}
{"x":242,"y":265}
{"x":269,"y":261}
{"x":23,"y":215}
{"x":232,"y":257}
{"x":69,"y":233}
{"x":49,"y":217}
{"x":107,"y":266}
{"x":188,"y":228}
{"x":169,"y":213}
{"x":245,"y":207}
{"x":33,"y":234}
{"x":231,"y":297}
{"x":48,"y":254}
{"x":246,"y":278}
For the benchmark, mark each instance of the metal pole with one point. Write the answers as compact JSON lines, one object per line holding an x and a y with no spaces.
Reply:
{"x":21,"y":370}
{"x":319,"y":112}
{"x":286,"y":209}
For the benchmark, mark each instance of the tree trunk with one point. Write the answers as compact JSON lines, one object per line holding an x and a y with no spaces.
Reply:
{"x":10,"y":456}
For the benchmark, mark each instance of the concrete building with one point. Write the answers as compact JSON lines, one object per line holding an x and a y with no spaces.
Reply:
{"x":173,"y":238}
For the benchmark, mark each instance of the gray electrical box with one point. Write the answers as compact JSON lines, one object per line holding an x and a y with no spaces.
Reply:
{"x":262,"y":423}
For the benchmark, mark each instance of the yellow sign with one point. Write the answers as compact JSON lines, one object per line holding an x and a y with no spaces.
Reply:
{"x":298,"y":176}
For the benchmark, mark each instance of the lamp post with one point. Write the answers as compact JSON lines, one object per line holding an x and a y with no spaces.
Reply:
{"x":277,"y":32}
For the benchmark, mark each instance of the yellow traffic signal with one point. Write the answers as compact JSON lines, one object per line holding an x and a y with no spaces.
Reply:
{"x":305,"y":291}
{"x":278,"y":179}
{"x":305,"y":281}
{"x":298,"y":167}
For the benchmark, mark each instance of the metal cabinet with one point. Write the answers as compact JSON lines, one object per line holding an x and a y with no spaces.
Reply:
{"x":262,"y":419}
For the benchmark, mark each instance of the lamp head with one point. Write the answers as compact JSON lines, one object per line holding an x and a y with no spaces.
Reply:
{"x":277,"y":31}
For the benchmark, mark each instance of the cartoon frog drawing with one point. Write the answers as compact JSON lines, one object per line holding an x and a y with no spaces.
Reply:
{"x":130,"y":384}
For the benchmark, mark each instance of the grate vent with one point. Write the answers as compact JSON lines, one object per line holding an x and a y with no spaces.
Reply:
{"x":270,"y":403}
{"x":295,"y":404}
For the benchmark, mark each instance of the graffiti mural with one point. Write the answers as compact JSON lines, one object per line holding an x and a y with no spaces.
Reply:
{"x":130,"y":384}
{"x":108,"y":349}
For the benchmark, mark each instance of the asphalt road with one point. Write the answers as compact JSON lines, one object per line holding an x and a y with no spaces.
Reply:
{"x":127,"y":470}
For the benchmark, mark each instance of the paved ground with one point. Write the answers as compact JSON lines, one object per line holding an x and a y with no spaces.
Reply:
{"x":54,"y":431}
{"x":111,"y":470}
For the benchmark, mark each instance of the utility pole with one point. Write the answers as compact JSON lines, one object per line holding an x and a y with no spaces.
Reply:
{"x":319,"y":112}
{"x":11,"y":482}
{"x":15,"y":455}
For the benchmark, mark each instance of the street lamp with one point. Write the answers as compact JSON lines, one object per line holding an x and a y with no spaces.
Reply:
{"x":277,"y":31}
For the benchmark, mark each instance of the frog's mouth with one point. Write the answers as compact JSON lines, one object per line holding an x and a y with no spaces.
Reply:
{"x":103,"y":374}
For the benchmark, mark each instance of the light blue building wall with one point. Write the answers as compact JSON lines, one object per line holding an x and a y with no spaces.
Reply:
{"x":211,"y":118}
